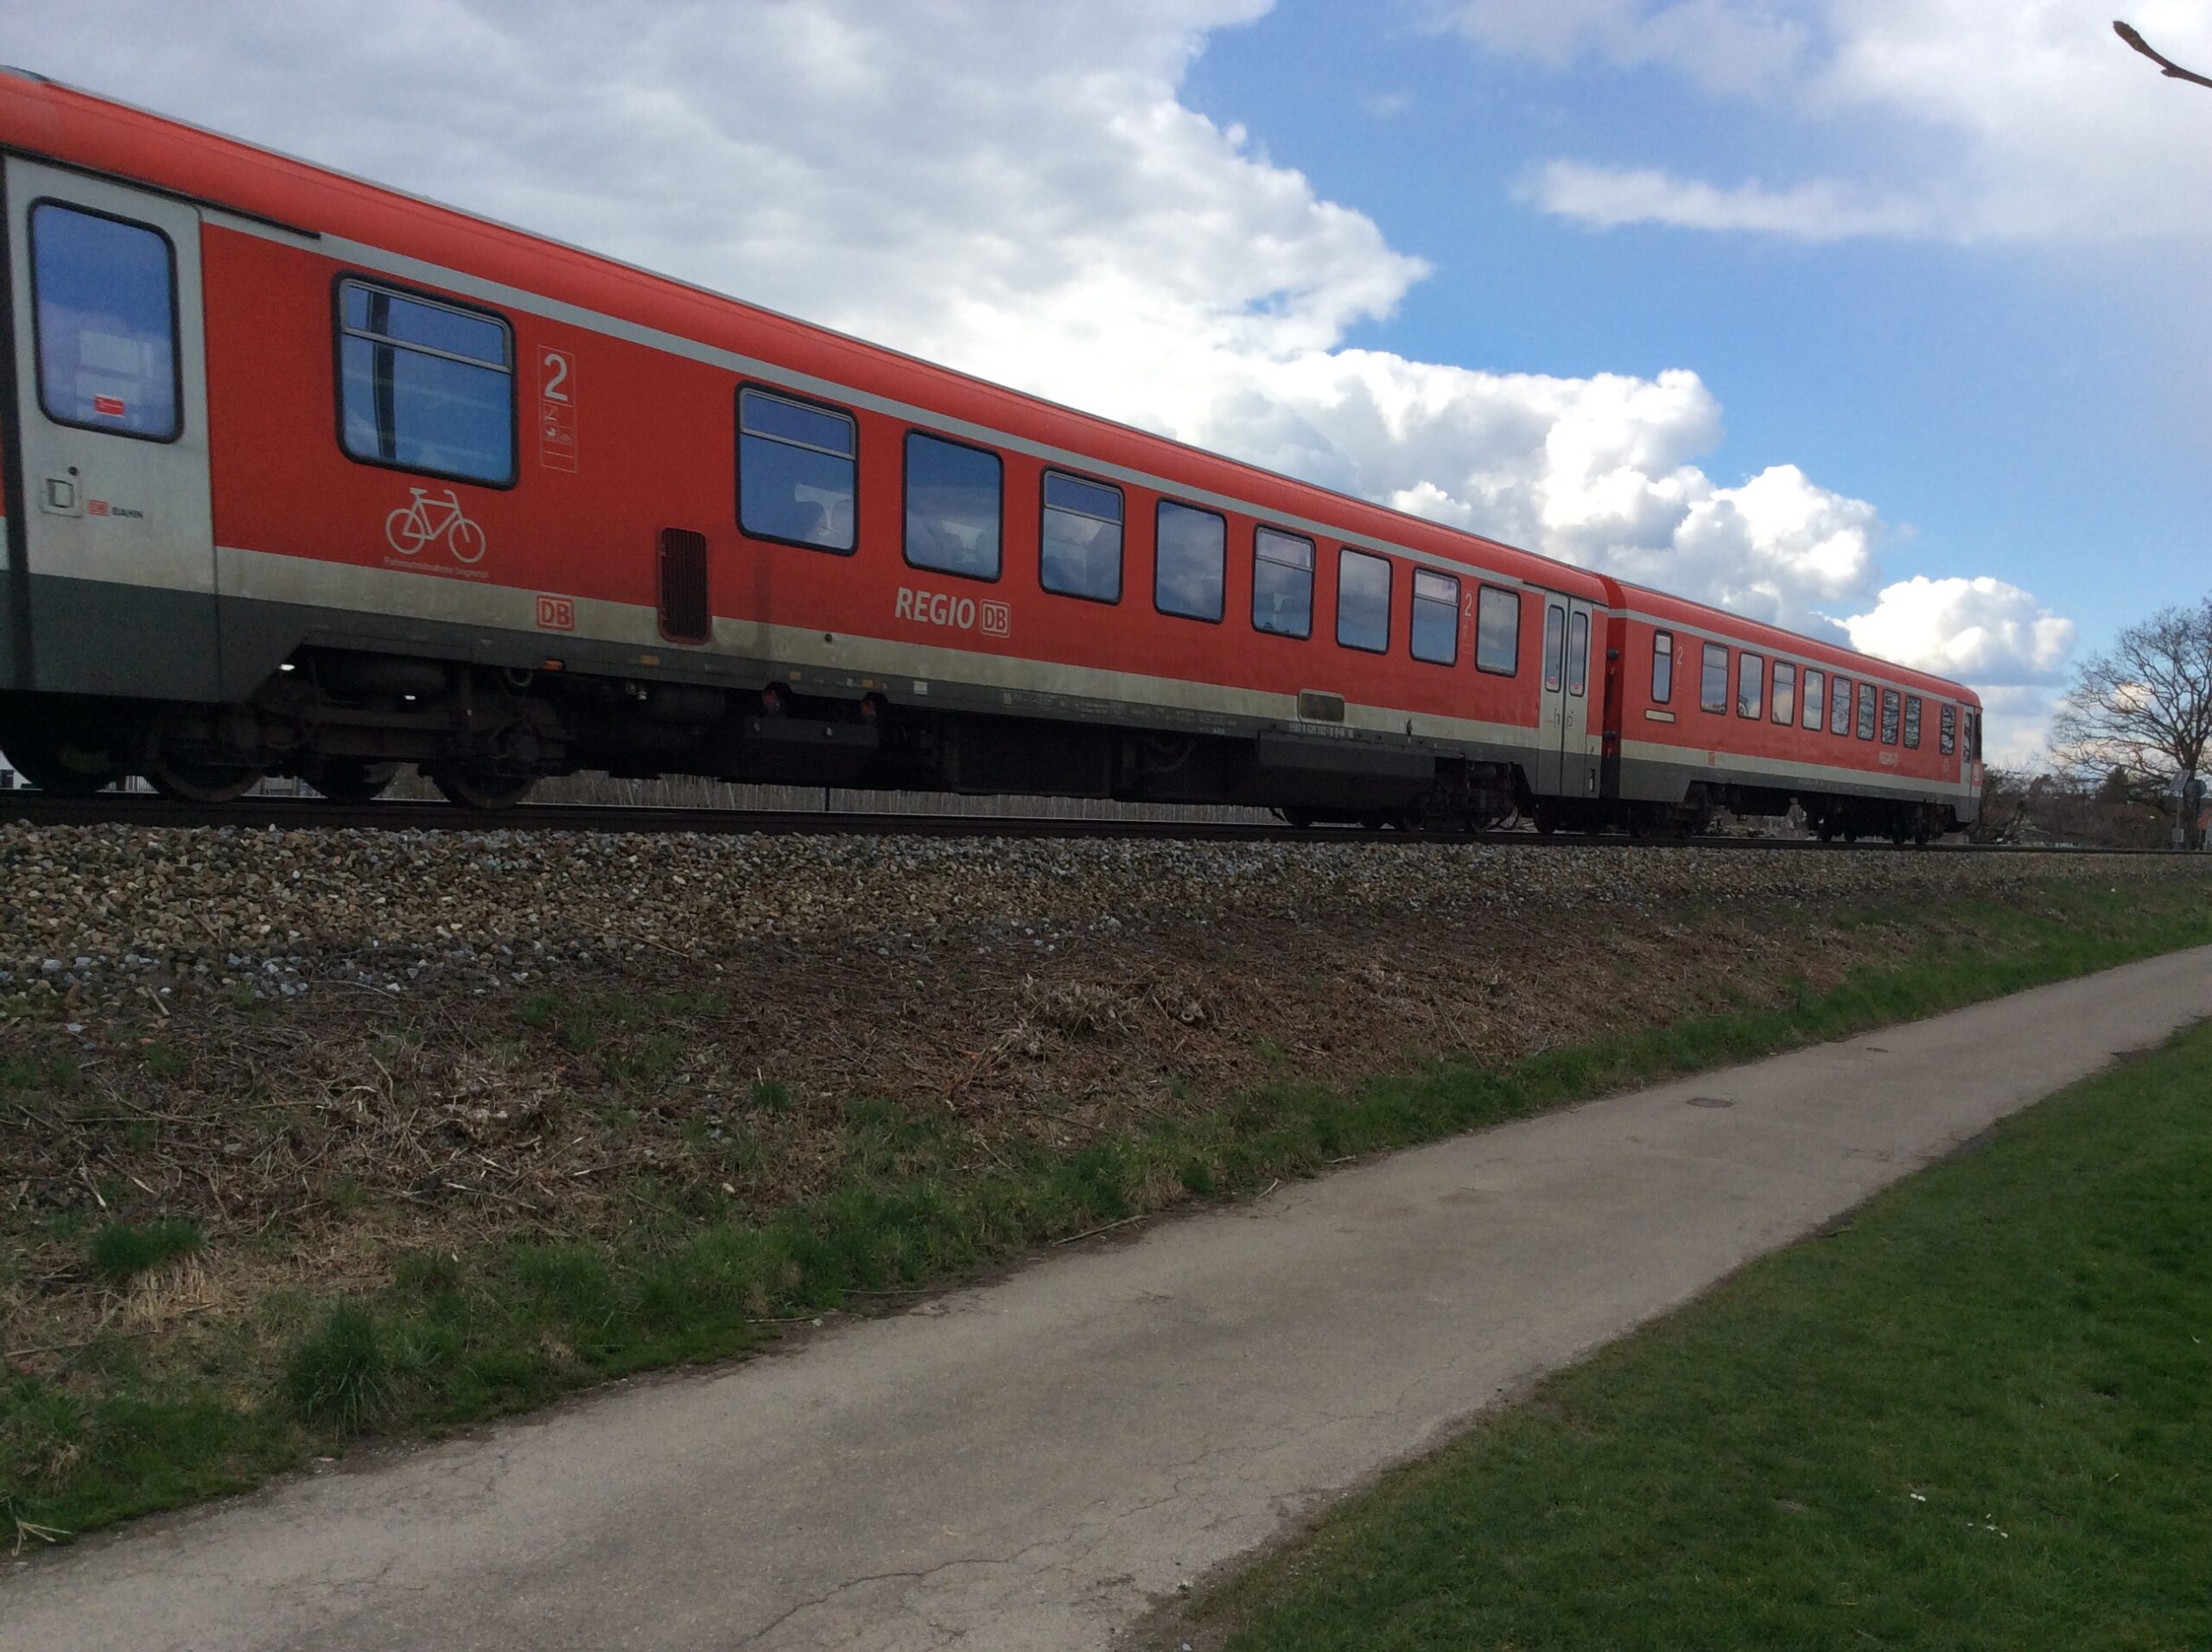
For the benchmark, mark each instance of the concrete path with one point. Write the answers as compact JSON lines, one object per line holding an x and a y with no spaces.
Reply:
{"x":1028,"y":1465}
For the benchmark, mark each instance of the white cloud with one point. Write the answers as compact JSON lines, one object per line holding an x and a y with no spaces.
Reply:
{"x":2024,"y":121}
{"x":1607,"y":197}
{"x":1981,"y":629}
{"x":1017,"y":190}
{"x":1728,"y":47}
{"x":2016,"y":727}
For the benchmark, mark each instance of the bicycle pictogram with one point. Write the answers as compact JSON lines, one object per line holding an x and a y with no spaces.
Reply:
{"x":428,"y":520}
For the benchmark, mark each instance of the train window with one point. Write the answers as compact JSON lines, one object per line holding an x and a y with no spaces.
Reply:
{"x":1973,"y":735}
{"x":1662,"y":667}
{"x":104,"y":297}
{"x":1946,"y":730}
{"x":1751,"y":687}
{"x":1865,"y":711}
{"x":1436,"y":618}
{"x":1912,"y":720}
{"x":1889,"y":716}
{"x":1815,"y":707}
{"x":1363,"y":600}
{"x":1555,"y":648}
{"x":796,"y":470}
{"x":1497,"y":631}
{"x":952,"y":507}
{"x":1079,"y":543}
{"x":1840,"y":708}
{"x":425,"y":385}
{"x":1785,"y":692}
{"x":1282,"y":583}
{"x":1577,"y":654}
{"x":1712,"y":692}
{"x":1191,"y":562}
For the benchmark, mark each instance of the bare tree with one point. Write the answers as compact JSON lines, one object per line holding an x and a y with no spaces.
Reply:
{"x":2167,"y":66}
{"x":2004,"y":806}
{"x":2144,"y":706}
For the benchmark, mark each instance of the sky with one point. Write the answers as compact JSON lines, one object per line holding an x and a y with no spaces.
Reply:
{"x":1880,"y":319}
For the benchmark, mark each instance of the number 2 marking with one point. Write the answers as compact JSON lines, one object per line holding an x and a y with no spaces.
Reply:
{"x":558,"y":364}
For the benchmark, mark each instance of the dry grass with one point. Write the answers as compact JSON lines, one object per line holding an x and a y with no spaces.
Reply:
{"x":314,"y":1139}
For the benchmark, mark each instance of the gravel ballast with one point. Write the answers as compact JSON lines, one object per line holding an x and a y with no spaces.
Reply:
{"x":111,"y":913}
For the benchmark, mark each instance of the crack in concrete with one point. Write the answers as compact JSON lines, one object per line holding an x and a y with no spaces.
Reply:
{"x":850,"y":1584}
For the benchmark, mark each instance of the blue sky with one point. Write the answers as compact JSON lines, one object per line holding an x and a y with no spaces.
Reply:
{"x":1881,"y":319}
{"x":2040,"y":411}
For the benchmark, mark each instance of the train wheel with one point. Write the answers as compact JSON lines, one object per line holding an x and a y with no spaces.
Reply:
{"x":192,"y":782}
{"x":478,"y":786}
{"x":177,"y":774}
{"x":65,"y":762}
{"x":348,"y":780}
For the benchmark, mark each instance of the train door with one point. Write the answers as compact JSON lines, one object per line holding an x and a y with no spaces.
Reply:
{"x":111,"y":566}
{"x":1579,"y":747}
{"x":1566,"y":753}
{"x":1551,"y":722}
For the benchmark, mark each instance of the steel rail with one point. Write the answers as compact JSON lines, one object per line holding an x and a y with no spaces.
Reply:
{"x":308,"y":814}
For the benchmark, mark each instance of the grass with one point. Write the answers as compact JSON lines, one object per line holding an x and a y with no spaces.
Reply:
{"x":457,"y":1337}
{"x":1977,"y":1417}
{"x":341,"y":1376}
{"x":121,"y":1251}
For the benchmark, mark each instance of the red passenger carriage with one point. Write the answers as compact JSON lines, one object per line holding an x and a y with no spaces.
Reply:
{"x":306,"y":476}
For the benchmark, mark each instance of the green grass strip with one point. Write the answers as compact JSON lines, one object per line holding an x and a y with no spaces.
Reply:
{"x":455,"y":1340}
{"x":1981,"y":1416}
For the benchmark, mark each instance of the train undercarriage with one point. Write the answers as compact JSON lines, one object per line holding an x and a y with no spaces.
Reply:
{"x":347,"y":723}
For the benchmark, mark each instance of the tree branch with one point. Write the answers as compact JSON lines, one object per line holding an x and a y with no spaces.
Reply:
{"x":2167,"y":66}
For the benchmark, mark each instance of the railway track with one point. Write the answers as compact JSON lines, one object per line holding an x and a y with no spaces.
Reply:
{"x":305,"y":814}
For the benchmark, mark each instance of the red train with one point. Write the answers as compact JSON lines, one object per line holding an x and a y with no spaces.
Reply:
{"x":305,"y":476}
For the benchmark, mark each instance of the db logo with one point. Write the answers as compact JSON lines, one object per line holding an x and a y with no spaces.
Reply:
{"x":556,"y":613}
{"x":953,"y":612}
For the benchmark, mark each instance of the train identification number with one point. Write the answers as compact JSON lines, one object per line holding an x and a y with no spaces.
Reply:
{"x":953,"y":612}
